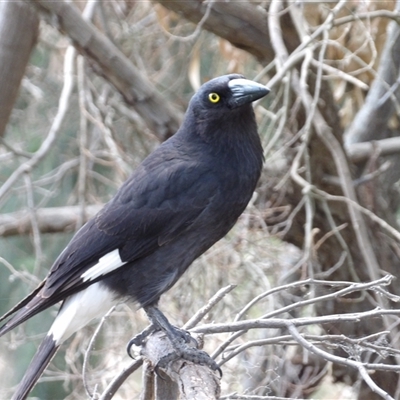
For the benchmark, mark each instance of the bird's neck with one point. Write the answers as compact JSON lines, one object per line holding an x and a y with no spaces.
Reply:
{"x":230,"y":141}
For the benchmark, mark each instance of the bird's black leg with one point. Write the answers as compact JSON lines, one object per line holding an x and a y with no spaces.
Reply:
{"x":179,"y":339}
{"x":160,"y":321}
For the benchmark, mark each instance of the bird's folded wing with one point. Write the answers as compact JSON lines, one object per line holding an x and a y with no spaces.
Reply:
{"x":146,"y":213}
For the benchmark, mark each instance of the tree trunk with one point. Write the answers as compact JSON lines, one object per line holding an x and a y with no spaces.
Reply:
{"x":18,"y":31}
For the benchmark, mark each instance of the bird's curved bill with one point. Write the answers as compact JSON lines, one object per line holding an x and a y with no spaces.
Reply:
{"x":245,"y":91}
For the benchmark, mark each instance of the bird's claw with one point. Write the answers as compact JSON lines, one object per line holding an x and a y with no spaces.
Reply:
{"x":138,"y":340}
{"x":129,"y":346}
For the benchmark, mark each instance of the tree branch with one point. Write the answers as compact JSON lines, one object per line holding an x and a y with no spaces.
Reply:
{"x":116,"y":383}
{"x":18,"y":31}
{"x":193,"y":381}
{"x":241,"y":23}
{"x":49,"y":220}
{"x":339,"y":360}
{"x":359,"y":152}
{"x":114,"y":66}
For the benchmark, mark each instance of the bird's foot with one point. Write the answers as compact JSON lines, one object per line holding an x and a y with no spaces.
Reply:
{"x":177,"y":333}
{"x":139,"y":339}
{"x":184,"y":345}
{"x":177,"y":336}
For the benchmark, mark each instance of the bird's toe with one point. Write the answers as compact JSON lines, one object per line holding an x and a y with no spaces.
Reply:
{"x":138,"y":340}
{"x":184,"y":336}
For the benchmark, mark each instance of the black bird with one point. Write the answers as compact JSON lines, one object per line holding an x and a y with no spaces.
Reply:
{"x":181,"y":199}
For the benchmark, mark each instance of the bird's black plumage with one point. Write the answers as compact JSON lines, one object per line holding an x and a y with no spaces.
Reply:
{"x":183,"y":198}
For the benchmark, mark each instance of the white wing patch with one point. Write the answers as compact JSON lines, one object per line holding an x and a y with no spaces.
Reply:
{"x":106,"y":264}
{"x":79,"y":309}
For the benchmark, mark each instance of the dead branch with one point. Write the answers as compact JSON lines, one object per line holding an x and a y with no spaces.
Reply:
{"x":190,"y":380}
{"x":116,"y":383}
{"x":279,"y":323}
{"x":360,"y":152}
{"x":339,"y":360}
{"x":49,"y":220}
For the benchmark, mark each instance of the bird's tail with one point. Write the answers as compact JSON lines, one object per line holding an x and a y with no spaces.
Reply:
{"x":43,"y":356}
{"x":25,"y":309}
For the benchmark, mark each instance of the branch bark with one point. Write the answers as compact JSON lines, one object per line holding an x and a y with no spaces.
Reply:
{"x":193,"y":382}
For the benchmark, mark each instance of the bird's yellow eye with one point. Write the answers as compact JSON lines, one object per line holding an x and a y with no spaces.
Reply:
{"x":214,"y":97}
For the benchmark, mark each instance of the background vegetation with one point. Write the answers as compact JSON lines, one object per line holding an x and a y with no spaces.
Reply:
{"x":88,"y":89}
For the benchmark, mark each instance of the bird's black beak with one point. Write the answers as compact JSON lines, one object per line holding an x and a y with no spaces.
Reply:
{"x":245,"y":91}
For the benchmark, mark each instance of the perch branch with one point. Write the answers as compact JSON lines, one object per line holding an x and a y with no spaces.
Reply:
{"x":193,"y":381}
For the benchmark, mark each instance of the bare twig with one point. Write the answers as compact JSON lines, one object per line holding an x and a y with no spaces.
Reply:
{"x":395,"y":15}
{"x":34,"y":222}
{"x":196,"y":318}
{"x":92,"y":393}
{"x":274,"y":323}
{"x":198,"y":29}
{"x":116,"y":383}
{"x":361,"y":367}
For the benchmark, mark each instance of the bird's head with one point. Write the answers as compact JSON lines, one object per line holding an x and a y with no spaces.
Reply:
{"x":226,"y":93}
